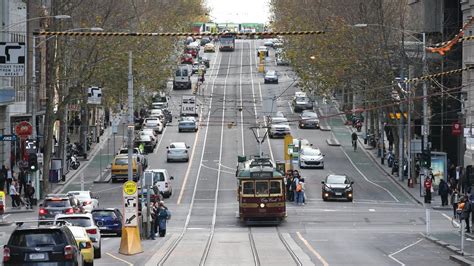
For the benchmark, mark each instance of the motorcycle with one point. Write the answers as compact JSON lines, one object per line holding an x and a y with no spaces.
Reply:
{"x":395,"y":166}
{"x":74,"y":162}
{"x":390,"y":158}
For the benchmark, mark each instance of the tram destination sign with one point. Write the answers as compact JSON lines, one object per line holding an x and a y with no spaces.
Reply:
{"x":7,"y":137}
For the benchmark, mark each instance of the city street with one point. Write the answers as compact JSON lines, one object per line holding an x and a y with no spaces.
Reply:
{"x":382,"y":226}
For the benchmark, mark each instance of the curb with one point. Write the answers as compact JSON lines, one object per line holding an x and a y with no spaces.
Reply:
{"x":333,"y":142}
{"x":17,"y":211}
{"x":461,"y":260}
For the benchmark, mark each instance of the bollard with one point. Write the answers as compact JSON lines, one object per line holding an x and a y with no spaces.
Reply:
{"x":462,"y":237}
{"x":428,"y":221}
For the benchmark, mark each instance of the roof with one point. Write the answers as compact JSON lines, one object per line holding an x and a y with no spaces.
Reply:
{"x":79,"y":232}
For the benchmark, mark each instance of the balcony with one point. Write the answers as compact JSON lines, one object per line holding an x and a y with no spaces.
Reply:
{"x":7,"y":95}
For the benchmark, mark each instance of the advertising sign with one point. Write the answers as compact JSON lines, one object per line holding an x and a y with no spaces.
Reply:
{"x":456,"y":129}
{"x":438,"y":167}
{"x":130,"y":204}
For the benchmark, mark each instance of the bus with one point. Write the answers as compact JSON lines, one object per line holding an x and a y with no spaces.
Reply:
{"x":260,"y":192}
{"x":227,"y":42}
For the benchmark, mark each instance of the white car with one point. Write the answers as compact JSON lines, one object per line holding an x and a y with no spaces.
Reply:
{"x":279,"y":127}
{"x":86,"y":199}
{"x":154,"y":123}
{"x":311,"y":157}
{"x":161,"y":179}
{"x":86,"y":221}
{"x":177,"y":151}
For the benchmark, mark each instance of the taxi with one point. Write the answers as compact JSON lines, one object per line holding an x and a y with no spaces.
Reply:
{"x":84,"y":243}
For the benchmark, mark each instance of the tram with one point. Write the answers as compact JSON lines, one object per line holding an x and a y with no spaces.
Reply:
{"x":227,"y":42}
{"x":261,"y":191}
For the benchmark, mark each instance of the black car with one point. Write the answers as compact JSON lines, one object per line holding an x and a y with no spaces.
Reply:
{"x":337,"y":187}
{"x":53,"y":245}
{"x":308,"y":119}
{"x":108,"y":220}
{"x":58,"y":204}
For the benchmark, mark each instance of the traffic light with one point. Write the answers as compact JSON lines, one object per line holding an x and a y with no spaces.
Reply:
{"x":426,"y":158}
{"x":32,"y":162}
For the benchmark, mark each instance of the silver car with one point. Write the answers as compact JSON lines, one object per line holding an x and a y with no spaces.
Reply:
{"x":271,"y":76}
{"x":311,"y":157}
{"x":177,"y":151}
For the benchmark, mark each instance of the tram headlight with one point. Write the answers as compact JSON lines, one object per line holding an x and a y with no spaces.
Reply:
{"x":262,"y":205}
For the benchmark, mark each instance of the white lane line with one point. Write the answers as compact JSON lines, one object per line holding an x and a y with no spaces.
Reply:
{"x":362,"y":174}
{"x":395,"y":253}
{"x":230,"y":168}
{"x":291,"y":109}
{"x":161,"y":138}
{"x":215,"y":169}
{"x":371,"y":210}
{"x":6,"y":215}
{"x":306,"y":243}
{"x":120,"y":259}
{"x":450,"y":219}
{"x":186,"y":175}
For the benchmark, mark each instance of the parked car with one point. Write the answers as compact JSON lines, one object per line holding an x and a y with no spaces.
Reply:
{"x":148,"y":141}
{"x":162,"y":180}
{"x":308,"y":119}
{"x":108,"y":220}
{"x":84,"y":243}
{"x":119,"y":168}
{"x":86,"y":221}
{"x":268,"y":43}
{"x":88,"y":200}
{"x":281,"y":61}
{"x":187,"y":123}
{"x":182,"y":77}
{"x":311,"y":157}
{"x":155,"y":123}
{"x":209,"y":48}
{"x":141,"y":157}
{"x":271,"y":76}
{"x":177,"y":151}
{"x":187,"y":59}
{"x":302,"y":102}
{"x":337,"y":187}
{"x":279,"y":127}
{"x":54,"y":204}
{"x":32,"y":245}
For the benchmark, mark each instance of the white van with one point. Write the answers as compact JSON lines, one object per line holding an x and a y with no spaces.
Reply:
{"x":161,"y":179}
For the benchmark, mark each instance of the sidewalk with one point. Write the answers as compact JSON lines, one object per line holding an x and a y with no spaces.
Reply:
{"x":90,"y":167}
{"x":444,"y":235}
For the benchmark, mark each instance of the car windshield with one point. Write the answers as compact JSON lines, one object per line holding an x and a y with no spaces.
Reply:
{"x":337,"y":179}
{"x":271,"y":73}
{"x":57,"y":203}
{"x":187,"y":123}
{"x":151,"y":121}
{"x":302,"y":99}
{"x":279,"y":120}
{"x":311,"y":152}
{"x":121,"y":161}
{"x":309,"y":115}
{"x":157,"y":176}
{"x":36,"y":238}
{"x":104,"y":214}
{"x":77,"y":221}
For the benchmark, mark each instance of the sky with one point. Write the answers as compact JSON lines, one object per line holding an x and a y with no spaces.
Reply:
{"x":239,"y":11}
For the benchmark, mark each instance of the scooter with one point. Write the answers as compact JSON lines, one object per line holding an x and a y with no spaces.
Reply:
{"x":74,"y":162}
{"x":390,"y":159}
{"x":395,"y":166}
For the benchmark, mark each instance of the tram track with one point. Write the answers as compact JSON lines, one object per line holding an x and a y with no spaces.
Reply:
{"x":178,"y":240}
{"x":253,"y":247}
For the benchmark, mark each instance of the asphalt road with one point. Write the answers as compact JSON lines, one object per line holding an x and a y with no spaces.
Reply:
{"x":382,"y":226}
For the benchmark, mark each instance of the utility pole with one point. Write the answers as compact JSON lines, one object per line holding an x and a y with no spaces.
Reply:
{"x":130,"y":118}
{"x":425,"y":97}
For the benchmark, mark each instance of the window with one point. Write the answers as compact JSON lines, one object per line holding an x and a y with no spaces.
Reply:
{"x":57,"y":203}
{"x":275,"y":187}
{"x":77,"y":221}
{"x":158,"y":177}
{"x":261,"y":188}
{"x":248,"y":188}
{"x":121,"y":161}
{"x":36,"y":238}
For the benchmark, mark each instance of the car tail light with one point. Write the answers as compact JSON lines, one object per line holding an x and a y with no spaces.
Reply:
{"x":68,"y":252}
{"x":91,"y":231}
{"x":43,"y":211}
{"x":70,"y":211}
{"x":6,"y":254}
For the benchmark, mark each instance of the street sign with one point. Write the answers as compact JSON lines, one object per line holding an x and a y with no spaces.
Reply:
{"x":188,"y":105}
{"x":130,"y":204}
{"x":456,"y":129}
{"x":12,"y":59}
{"x":7,"y":137}
{"x":24,"y":129}
{"x":114,"y":128}
{"x":94,"y":95}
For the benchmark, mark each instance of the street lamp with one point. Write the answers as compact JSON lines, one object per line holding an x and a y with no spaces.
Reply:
{"x":32,"y":19}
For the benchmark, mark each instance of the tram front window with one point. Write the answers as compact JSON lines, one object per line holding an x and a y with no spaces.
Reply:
{"x":262,"y":188}
{"x":275,"y":187}
{"x":248,"y":188}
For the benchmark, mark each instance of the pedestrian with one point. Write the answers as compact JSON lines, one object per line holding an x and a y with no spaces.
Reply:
{"x":289,"y":180}
{"x":163,"y":217}
{"x":443,"y":191}
{"x":465,"y":214}
{"x":10,"y":175}
{"x":3,"y":177}
{"x":29,"y":194}
{"x":22,"y":179}
{"x":300,"y":193}
{"x":14,"y":195}
{"x":427,"y":186}
{"x":455,"y":201}
{"x":155,"y":211}
{"x":303,"y":189}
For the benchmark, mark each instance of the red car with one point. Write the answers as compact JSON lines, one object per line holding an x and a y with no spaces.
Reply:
{"x":187,"y":59}
{"x":192,"y":51}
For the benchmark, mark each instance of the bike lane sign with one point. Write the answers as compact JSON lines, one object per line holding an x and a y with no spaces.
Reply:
{"x":130,"y":204}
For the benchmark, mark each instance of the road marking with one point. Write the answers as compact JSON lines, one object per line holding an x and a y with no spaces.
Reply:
{"x":159,"y":142}
{"x":181,"y":192}
{"x":291,"y":109}
{"x":215,"y":169}
{"x":117,"y":258}
{"x":320,"y":258}
{"x":450,"y":219}
{"x":6,"y":215}
{"x":362,"y":174}
{"x":241,"y":103}
{"x":395,"y":253}
{"x":371,"y":210}
{"x":107,"y":189}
